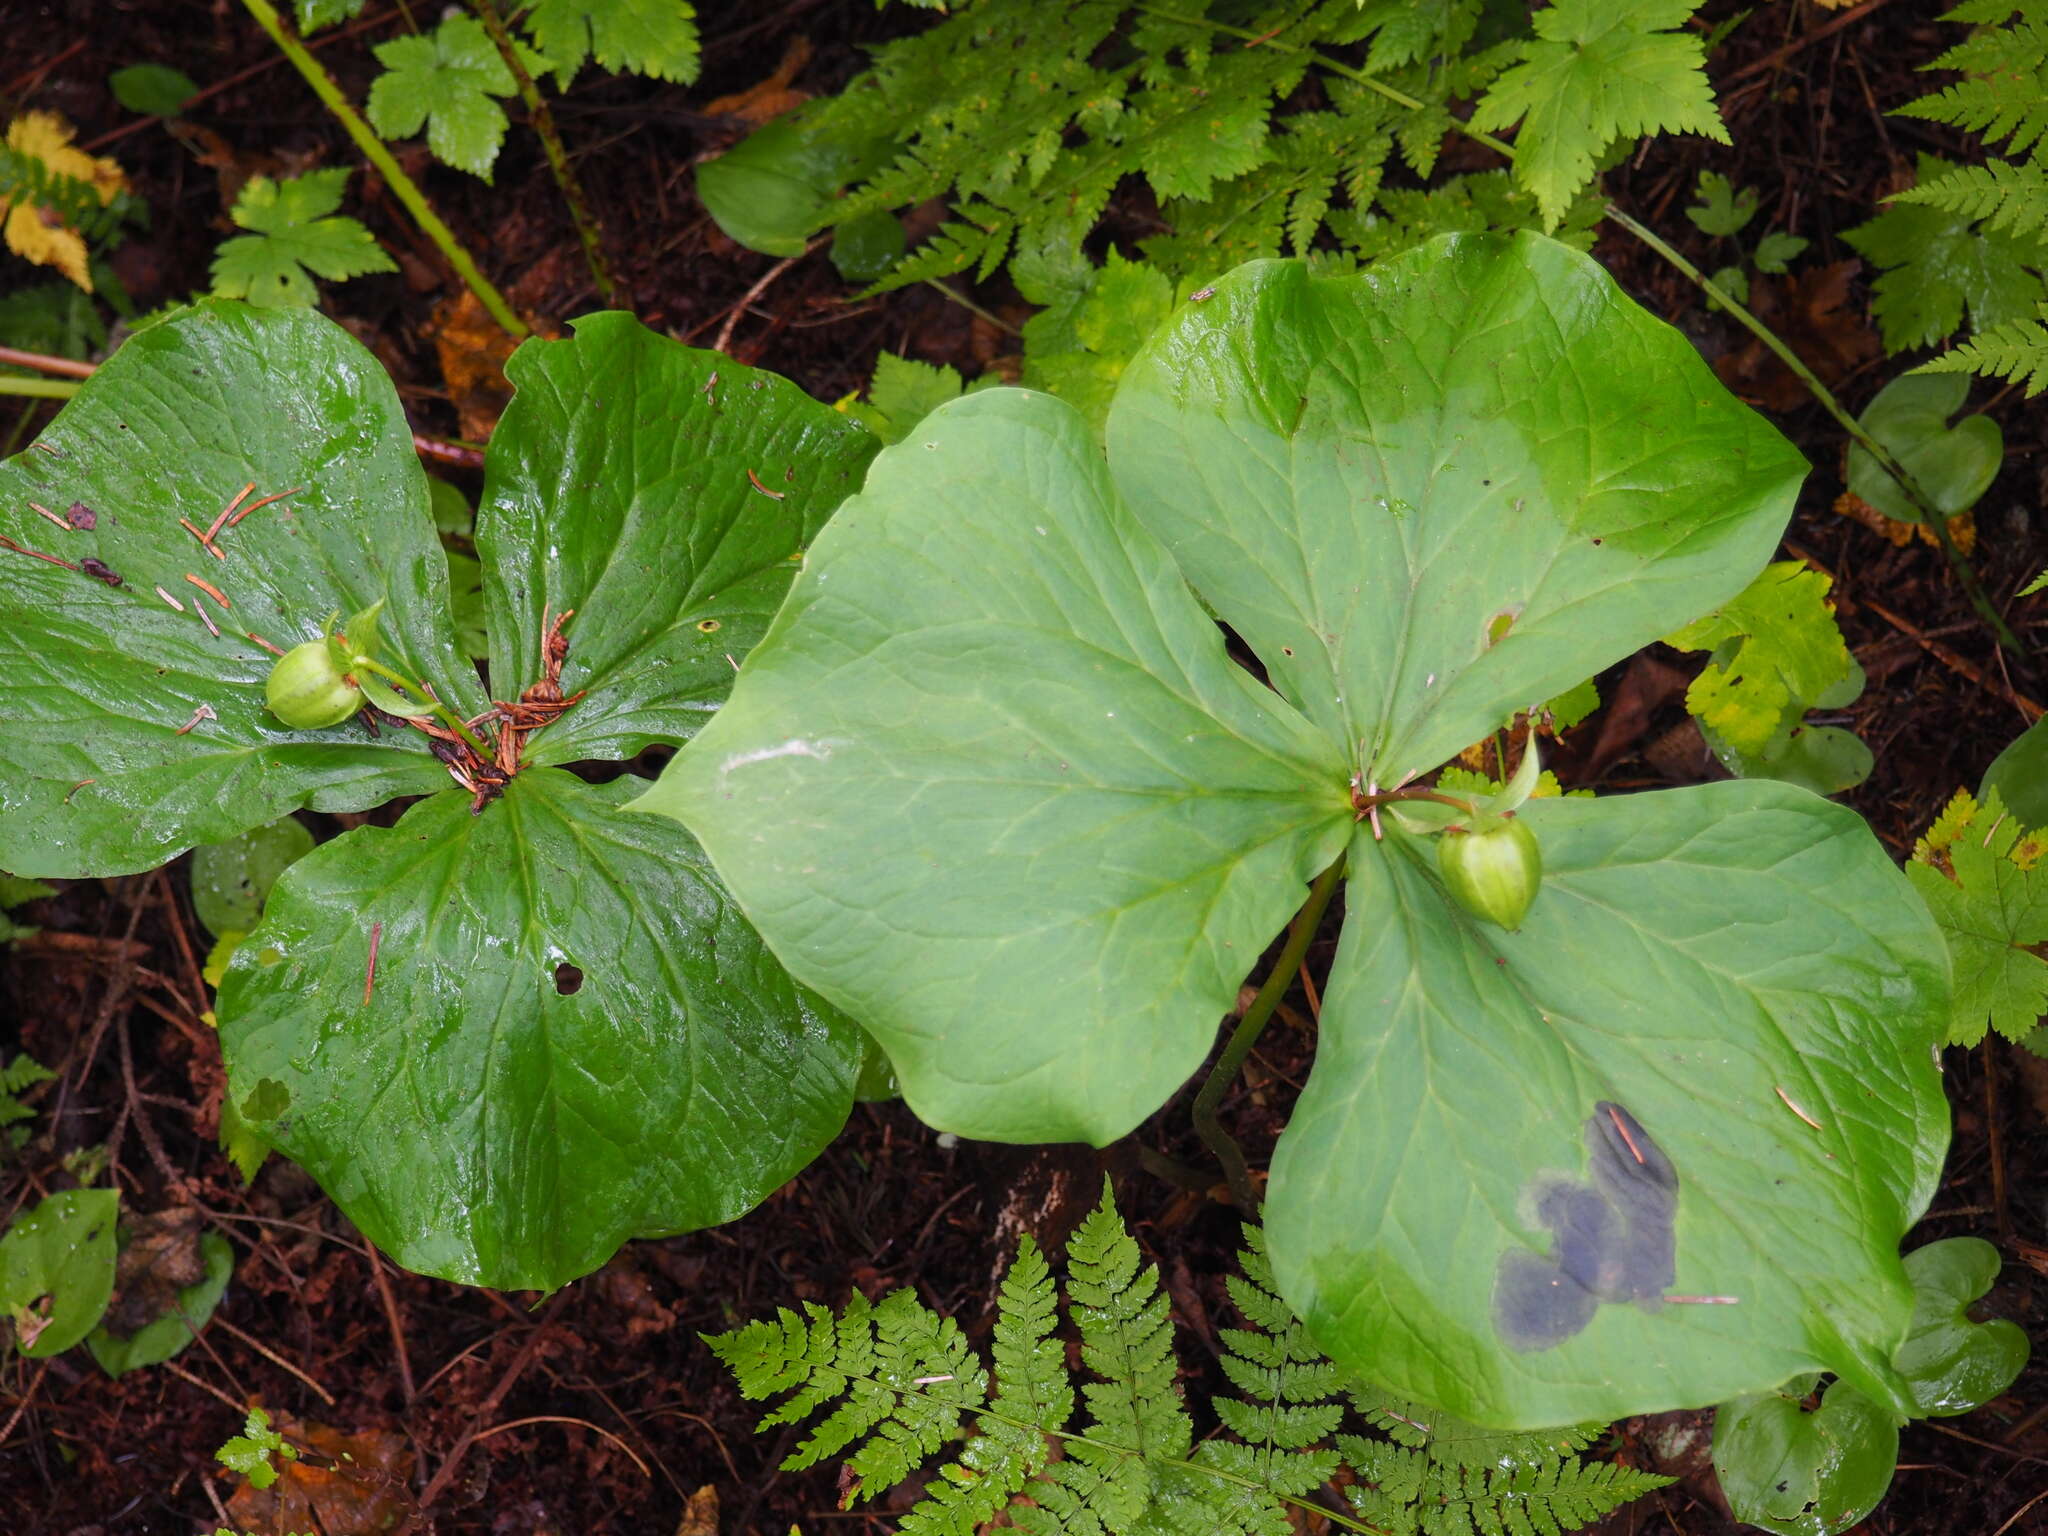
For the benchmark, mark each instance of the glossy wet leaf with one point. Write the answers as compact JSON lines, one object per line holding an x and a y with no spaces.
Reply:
{"x":621,"y":484}
{"x":231,"y":880}
{"x":572,"y":1037}
{"x":1802,"y":1473}
{"x":1954,"y":1363}
{"x":1954,"y":465}
{"x":95,"y":777}
{"x":991,"y":783}
{"x":57,"y":1269}
{"x":155,"y":1342}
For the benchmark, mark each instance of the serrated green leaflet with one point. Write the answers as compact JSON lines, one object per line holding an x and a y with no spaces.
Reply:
{"x":991,"y":783}
{"x":571,"y":1027}
{"x":662,"y":494}
{"x":446,"y":81}
{"x":649,"y":37}
{"x":568,"y":1036}
{"x":95,"y":777}
{"x":295,"y":239}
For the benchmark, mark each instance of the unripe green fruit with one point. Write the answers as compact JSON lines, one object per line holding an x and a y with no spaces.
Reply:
{"x":1493,"y":873}
{"x":308,"y":690}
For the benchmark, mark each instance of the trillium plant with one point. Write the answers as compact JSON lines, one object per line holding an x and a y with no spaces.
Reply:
{"x":523,"y":1024}
{"x":1642,"y":1132}
{"x":1619,"y":1103}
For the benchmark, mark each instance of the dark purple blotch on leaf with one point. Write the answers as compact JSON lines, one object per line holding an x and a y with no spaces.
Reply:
{"x":83,"y":517}
{"x":99,"y":570}
{"x":1614,"y":1238}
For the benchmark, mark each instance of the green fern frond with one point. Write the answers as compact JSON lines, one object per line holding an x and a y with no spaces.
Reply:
{"x":1033,"y":1398}
{"x":905,"y":1384}
{"x":1027,"y":116}
{"x":1445,"y":1477}
{"x":1550,"y":1499}
{"x":2017,"y":350}
{"x":2002,"y":194}
{"x":904,"y":1373}
{"x":2005,"y":98}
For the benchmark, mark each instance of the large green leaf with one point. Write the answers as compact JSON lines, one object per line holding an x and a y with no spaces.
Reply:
{"x":1447,"y":489}
{"x":95,"y":777}
{"x":571,"y":1037}
{"x":663,"y":494}
{"x":1453,"y":1204}
{"x":999,"y":792}
{"x":57,"y":1269}
{"x":989,"y":783}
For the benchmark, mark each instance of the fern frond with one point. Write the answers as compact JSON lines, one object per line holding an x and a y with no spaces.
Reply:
{"x":904,"y":1373}
{"x":1539,"y":1499}
{"x":904,"y":1382}
{"x":1033,"y":1398}
{"x":1126,"y":1339}
{"x":2005,"y":97}
{"x":2017,"y":350}
{"x":1445,"y":1477}
{"x":2002,"y":194}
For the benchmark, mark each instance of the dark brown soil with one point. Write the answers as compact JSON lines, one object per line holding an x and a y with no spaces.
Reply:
{"x":598,"y":1411}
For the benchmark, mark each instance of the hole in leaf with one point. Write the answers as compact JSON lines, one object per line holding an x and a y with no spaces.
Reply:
{"x":568,"y":979}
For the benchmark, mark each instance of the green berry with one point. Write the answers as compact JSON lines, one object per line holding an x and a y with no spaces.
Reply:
{"x":1493,"y":872}
{"x":308,"y":690}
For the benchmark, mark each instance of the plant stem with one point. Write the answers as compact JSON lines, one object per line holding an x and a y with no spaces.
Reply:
{"x":402,"y":185}
{"x":441,"y":711}
{"x":40,"y":389}
{"x":42,"y":362}
{"x":1938,"y":525}
{"x":1247,"y":1033}
{"x":543,"y":120}
{"x":973,"y":308}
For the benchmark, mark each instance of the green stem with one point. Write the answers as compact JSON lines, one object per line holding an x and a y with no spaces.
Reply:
{"x":441,"y":711}
{"x":402,"y":185}
{"x":543,"y":120}
{"x":1247,"y":1033}
{"x":1937,"y":524}
{"x":973,"y":308}
{"x":40,"y":389}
